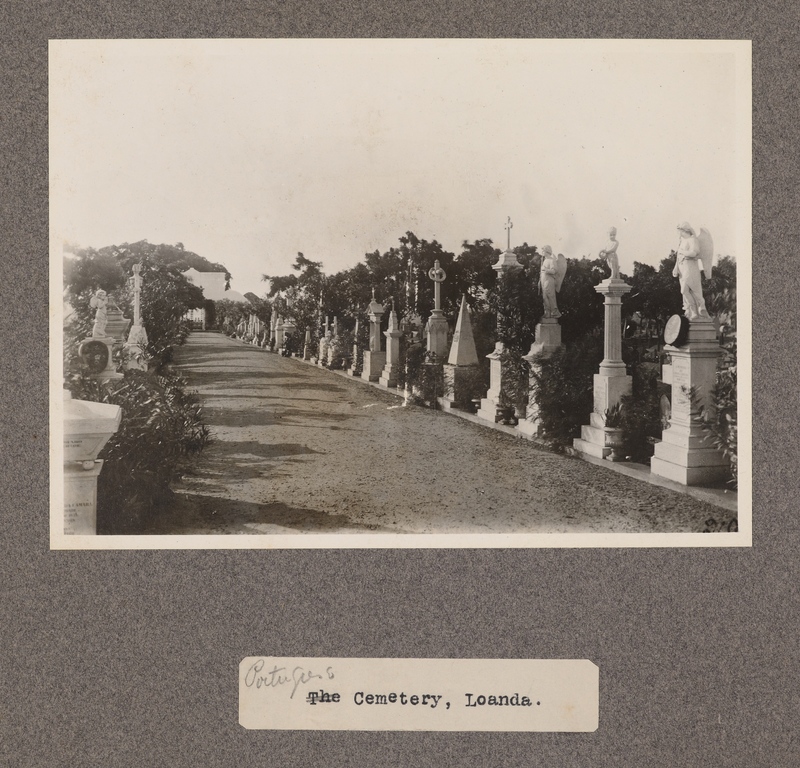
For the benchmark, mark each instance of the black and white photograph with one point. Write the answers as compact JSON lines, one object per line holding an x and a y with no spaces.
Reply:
{"x":375,"y":293}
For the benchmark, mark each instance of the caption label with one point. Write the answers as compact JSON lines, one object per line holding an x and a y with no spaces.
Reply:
{"x":418,"y":694}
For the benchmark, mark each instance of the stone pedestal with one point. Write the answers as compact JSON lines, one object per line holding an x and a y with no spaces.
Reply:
{"x":279,"y":335}
{"x":80,"y":498}
{"x":88,"y":426}
{"x":374,"y":363}
{"x":437,"y":334}
{"x":546,"y":341}
{"x":374,"y":359}
{"x":612,"y":382}
{"x":388,"y":377}
{"x":683,"y":455}
{"x":492,"y":401}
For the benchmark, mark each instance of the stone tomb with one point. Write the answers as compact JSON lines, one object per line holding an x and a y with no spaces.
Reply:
{"x":683,"y":455}
{"x":88,"y":427}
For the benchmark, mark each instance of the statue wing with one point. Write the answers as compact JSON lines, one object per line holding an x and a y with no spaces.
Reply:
{"x":561,"y":270}
{"x":706,"y":250}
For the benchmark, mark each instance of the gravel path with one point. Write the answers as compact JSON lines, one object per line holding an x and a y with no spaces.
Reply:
{"x":298,"y":449}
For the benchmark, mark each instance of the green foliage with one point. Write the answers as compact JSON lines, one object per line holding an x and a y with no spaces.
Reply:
{"x":655,"y":296}
{"x":422,"y":374}
{"x":563,"y":389}
{"x":166,"y":295}
{"x":720,"y":418}
{"x":641,"y":415}
{"x":580,"y":305}
{"x":161,"y":429}
{"x":517,"y":304}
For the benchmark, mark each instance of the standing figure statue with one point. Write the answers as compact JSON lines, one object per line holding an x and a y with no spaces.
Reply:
{"x":99,"y":302}
{"x":695,"y":253}
{"x":609,"y":253}
{"x":550,"y":278}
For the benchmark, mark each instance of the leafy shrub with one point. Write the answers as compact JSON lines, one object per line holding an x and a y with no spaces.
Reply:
{"x":563,"y":389}
{"x":161,"y":427}
{"x":641,"y":415}
{"x":720,"y":419}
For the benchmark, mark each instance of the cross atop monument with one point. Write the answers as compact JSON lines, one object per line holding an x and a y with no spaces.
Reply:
{"x":508,"y":227}
{"x":137,"y":291}
{"x":438,"y":275}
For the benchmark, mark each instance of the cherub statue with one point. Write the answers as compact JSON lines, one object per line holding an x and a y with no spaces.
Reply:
{"x":695,"y":253}
{"x":99,"y":302}
{"x":551,"y":276}
{"x":609,"y":253}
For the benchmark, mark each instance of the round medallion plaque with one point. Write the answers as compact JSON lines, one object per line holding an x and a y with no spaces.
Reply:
{"x":95,"y":355}
{"x":676,"y":330}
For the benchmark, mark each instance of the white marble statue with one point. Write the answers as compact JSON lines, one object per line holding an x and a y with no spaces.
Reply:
{"x":99,"y":302}
{"x":695,"y":253}
{"x":609,"y":253}
{"x":551,"y":276}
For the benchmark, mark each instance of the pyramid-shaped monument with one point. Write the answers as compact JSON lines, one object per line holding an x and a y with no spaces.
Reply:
{"x":462,"y":351}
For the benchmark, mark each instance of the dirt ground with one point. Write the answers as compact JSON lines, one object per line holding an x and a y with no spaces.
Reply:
{"x":299,"y":449}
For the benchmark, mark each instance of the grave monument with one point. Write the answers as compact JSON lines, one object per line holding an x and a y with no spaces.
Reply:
{"x":547,"y":335}
{"x":684,"y":455}
{"x":374,"y":358}
{"x":437,"y":324}
{"x":612,"y":381}
{"x":493,"y":402}
{"x":462,"y":362}
{"x":88,"y":426}
{"x":388,"y":377}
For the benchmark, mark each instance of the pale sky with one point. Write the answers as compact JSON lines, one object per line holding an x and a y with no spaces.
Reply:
{"x":248,"y":151}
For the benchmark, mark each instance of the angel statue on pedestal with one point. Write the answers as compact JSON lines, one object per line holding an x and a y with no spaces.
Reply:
{"x":551,"y":276}
{"x":695,"y":253}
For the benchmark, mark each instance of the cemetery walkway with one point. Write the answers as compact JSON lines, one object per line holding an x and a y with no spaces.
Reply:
{"x":299,"y":449}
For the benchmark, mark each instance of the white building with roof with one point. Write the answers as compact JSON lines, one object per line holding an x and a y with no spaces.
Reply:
{"x":213,"y":285}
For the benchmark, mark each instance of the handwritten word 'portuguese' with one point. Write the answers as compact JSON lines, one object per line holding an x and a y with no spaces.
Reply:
{"x":278,"y":676}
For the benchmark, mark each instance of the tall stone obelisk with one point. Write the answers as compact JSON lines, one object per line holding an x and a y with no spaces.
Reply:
{"x":462,"y":363}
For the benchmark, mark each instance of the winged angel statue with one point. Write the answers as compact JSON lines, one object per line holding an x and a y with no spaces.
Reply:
{"x":551,"y":276}
{"x":695,"y":253}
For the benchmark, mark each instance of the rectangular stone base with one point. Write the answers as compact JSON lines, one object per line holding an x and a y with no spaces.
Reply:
{"x":388,"y":377}
{"x":590,"y":448}
{"x":374,"y":363}
{"x":608,"y":391}
{"x":530,"y":428}
{"x":681,"y":457}
{"x":488,"y":410}
{"x":594,"y":438}
{"x":689,"y":475}
{"x":80,"y":499}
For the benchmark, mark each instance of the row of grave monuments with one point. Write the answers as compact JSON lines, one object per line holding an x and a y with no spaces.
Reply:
{"x":683,"y":455}
{"x":88,"y":426}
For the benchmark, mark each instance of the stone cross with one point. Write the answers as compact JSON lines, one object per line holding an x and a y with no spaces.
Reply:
{"x":438,"y":275}
{"x":508,"y":227}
